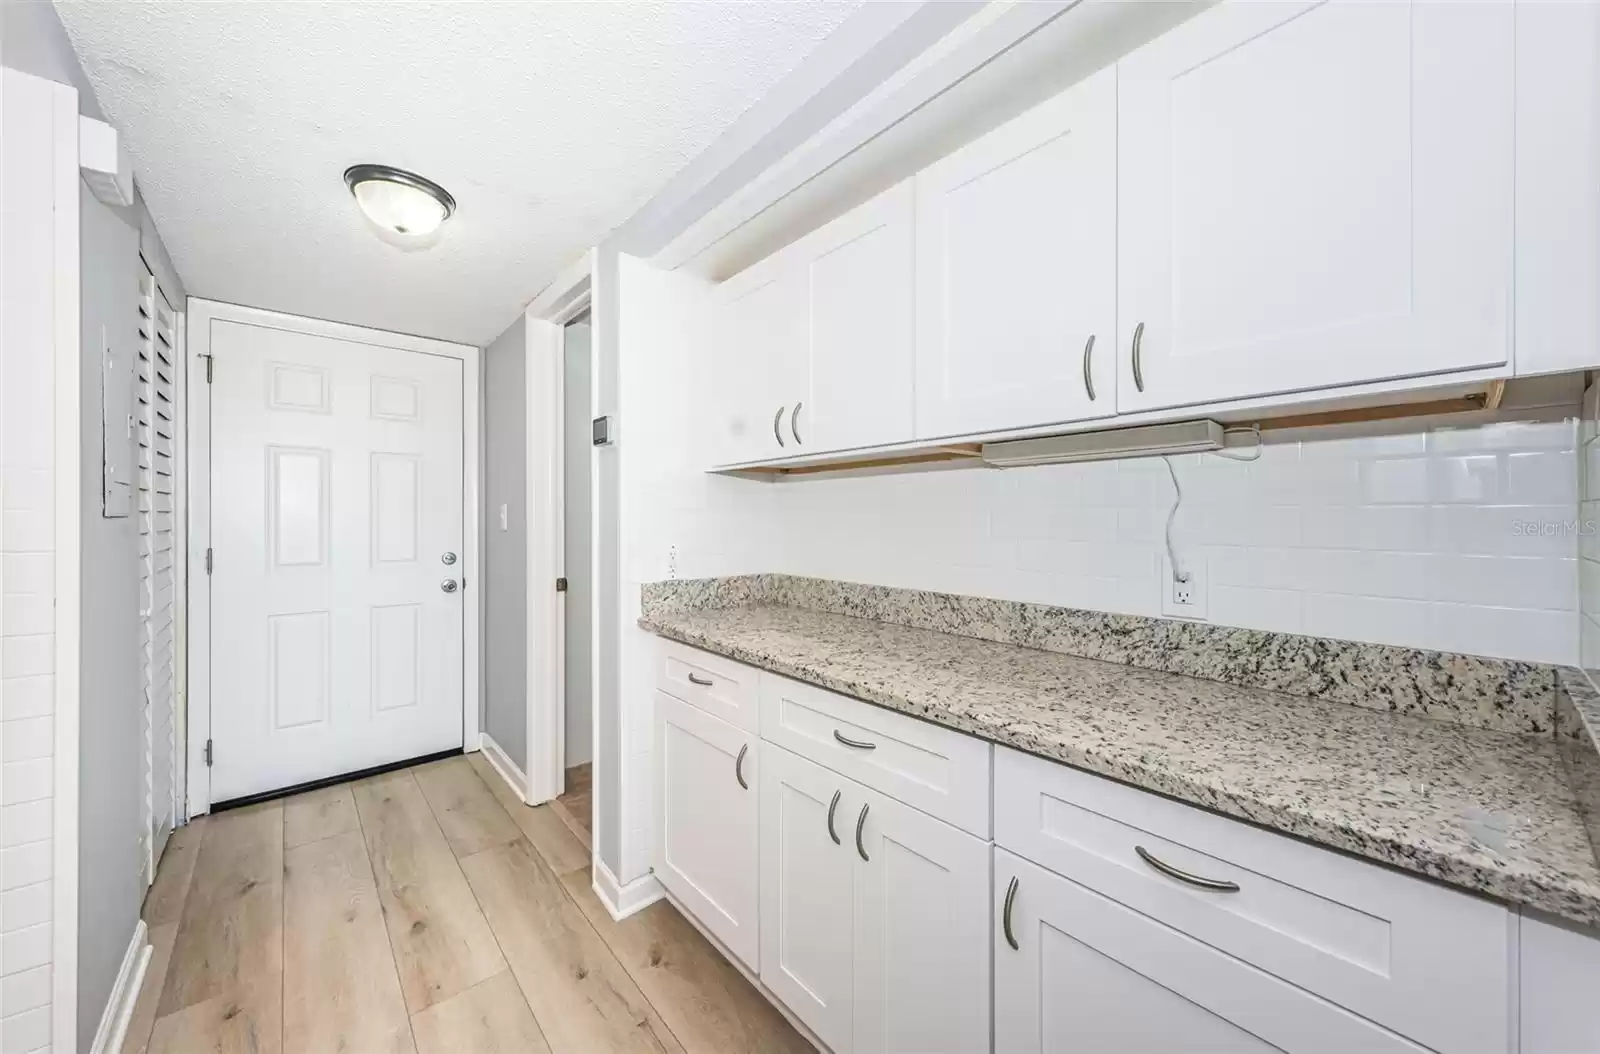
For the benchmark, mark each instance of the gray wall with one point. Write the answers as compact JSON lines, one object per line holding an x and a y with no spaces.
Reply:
{"x":110,"y":744}
{"x":580,"y":584}
{"x":505,"y":622}
{"x":110,"y":889}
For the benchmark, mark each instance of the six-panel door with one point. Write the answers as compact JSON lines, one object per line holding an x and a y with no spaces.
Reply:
{"x":709,"y":851}
{"x":1016,"y":271}
{"x":922,"y":933}
{"x":1311,"y":195}
{"x":807,"y":875}
{"x":336,"y":495}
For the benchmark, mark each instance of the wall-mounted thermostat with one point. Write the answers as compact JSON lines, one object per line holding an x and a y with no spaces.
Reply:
{"x":603,"y":434}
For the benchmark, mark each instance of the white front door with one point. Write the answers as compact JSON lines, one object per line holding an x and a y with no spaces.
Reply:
{"x":336,"y":503}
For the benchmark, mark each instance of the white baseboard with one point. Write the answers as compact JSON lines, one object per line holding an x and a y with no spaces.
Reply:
{"x":501,"y":762}
{"x":124,"y":994}
{"x":623,"y":900}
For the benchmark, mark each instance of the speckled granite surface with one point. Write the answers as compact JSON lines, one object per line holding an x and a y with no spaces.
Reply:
{"x":1499,"y":694}
{"x":1578,"y":738}
{"x":1482,"y":810}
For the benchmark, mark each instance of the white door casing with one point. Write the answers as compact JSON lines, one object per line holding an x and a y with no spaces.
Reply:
{"x":1314,"y":194}
{"x":336,"y":489}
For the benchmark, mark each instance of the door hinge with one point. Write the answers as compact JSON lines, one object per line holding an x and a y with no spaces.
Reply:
{"x":561,"y":585}
{"x":210,"y":367}
{"x":210,"y":754}
{"x":209,"y":561}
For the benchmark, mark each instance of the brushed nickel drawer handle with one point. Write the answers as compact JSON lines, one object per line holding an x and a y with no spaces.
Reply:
{"x":1138,"y":342}
{"x":794,"y":419}
{"x":858,"y":744}
{"x":832,"y":805}
{"x":704,"y":684}
{"x":1088,"y":375}
{"x":861,"y":821}
{"x":1215,"y":885}
{"x":738,"y":766}
{"x":777,"y":419}
{"x":1005,"y":915}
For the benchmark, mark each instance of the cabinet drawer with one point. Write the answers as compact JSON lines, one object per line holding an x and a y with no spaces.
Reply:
{"x":719,"y":686}
{"x":1429,"y":962}
{"x":943,"y":773}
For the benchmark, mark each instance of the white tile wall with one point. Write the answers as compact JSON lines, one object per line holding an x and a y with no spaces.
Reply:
{"x":1587,"y":480}
{"x":27,"y":598}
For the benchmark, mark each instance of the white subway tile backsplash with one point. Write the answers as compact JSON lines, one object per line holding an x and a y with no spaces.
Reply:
{"x":25,"y":991}
{"x":27,"y":530}
{"x":28,"y":1030}
{"x":1375,"y":619}
{"x":1279,"y":610}
{"x":1469,"y":478}
{"x":25,"y":949}
{"x":27,"y":905}
{"x":1541,"y":477}
{"x":25,"y":697}
{"x":25,"y":864}
{"x":27,"y":739}
{"x":26,"y":614}
{"x":27,"y":656}
{"x":22,"y":781}
{"x":25,"y":822}
{"x":1396,"y":481}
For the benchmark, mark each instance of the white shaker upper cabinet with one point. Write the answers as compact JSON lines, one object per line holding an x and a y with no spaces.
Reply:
{"x":860,"y":323}
{"x":758,"y":365}
{"x":1312,"y":195}
{"x":1016,"y":271}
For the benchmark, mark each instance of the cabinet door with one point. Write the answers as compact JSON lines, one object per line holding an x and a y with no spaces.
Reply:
{"x":708,"y":846}
{"x":761,"y":343}
{"x":922,"y":933}
{"x":1088,"y":974}
{"x":1016,"y":268}
{"x":807,"y":924}
{"x":1312,"y":195}
{"x":859,"y":274}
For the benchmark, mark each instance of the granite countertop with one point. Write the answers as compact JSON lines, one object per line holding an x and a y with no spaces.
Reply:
{"x":1487,"y":811}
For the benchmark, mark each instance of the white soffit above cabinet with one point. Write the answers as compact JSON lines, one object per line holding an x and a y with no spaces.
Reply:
{"x":551,"y":123}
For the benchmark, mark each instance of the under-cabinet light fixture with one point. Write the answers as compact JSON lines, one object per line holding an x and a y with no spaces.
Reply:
{"x":1181,"y":437}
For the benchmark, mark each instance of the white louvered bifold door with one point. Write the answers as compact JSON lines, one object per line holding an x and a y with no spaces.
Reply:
{"x":154,"y":387}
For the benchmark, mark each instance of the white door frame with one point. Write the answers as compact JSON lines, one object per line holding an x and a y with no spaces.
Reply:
{"x":201,"y":313}
{"x":563,"y":300}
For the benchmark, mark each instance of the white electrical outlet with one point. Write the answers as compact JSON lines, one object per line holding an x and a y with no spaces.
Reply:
{"x":1185,"y":599}
{"x":672,"y":561}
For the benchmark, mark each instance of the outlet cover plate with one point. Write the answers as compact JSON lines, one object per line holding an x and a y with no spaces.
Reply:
{"x":1172,"y":590}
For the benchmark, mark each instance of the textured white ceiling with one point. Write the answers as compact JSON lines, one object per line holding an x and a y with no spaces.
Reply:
{"x":549,"y":122}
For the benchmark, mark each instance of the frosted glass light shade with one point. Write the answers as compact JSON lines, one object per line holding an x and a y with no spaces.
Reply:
{"x":399,"y":201}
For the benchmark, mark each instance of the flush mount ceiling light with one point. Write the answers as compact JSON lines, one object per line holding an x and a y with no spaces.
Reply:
{"x":398,"y":201}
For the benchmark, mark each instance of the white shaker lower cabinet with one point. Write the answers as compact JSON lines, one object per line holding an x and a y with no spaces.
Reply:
{"x":807,"y":893}
{"x":922,"y":934}
{"x":709,"y":847}
{"x":1088,"y":974}
{"x":874,"y":916}
{"x":1313,"y":195}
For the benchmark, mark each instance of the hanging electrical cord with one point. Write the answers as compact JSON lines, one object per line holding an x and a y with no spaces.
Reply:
{"x":1178,"y":574}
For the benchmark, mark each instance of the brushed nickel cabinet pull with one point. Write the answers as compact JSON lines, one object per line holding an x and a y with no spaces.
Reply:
{"x":1215,"y":885}
{"x":738,"y":766}
{"x":1088,"y":375}
{"x":695,"y":680}
{"x":832,"y":805}
{"x":794,"y":426}
{"x":777,"y":419}
{"x":1005,"y":915}
{"x":1138,"y":341}
{"x":858,"y":744}
{"x":861,"y":821}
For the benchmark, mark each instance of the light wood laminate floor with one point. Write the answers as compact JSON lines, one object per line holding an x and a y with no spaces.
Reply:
{"x":425,"y":911}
